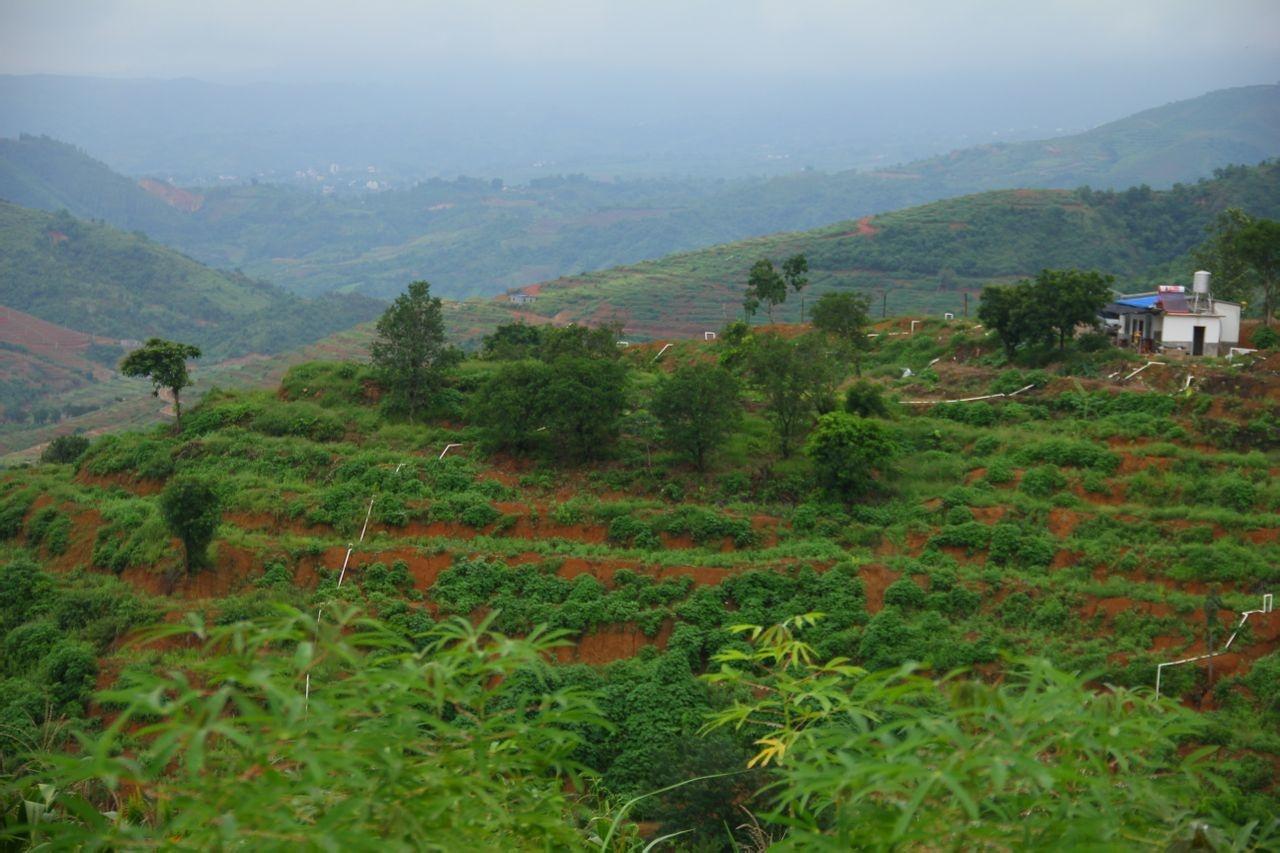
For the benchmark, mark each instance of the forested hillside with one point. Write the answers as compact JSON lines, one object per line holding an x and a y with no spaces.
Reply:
{"x":95,"y":279}
{"x":924,"y":259}
{"x":476,"y":237}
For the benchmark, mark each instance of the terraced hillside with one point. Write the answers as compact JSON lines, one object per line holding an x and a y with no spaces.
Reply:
{"x":1101,"y":518}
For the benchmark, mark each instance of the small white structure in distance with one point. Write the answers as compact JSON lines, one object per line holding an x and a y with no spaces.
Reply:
{"x":521,"y":298}
{"x":948,"y":316}
{"x":708,"y":336}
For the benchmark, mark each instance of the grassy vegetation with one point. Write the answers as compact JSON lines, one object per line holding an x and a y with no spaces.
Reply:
{"x":1086,"y":522}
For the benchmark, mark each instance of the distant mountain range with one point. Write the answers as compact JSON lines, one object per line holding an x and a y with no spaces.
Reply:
{"x":921,"y":260}
{"x":477,"y":237}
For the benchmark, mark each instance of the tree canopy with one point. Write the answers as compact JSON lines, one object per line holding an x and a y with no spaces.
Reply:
{"x":764,"y":285}
{"x":1258,"y":245}
{"x":848,"y":453}
{"x":165,"y":364}
{"x":409,"y":353}
{"x":795,"y":271}
{"x":1049,"y":308}
{"x":846,"y":317}
{"x":796,"y":377}
{"x":190,"y":508}
{"x":698,"y":408}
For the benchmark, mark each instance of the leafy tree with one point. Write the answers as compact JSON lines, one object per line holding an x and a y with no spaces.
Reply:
{"x":1258,"y":245}
{"x":1036,"y":312}
{"x":1233,"y":278}
{"x":579,"y":341}
{"x":583,"y":401}
{"x":165,"y":364}
{"x":845,"y":316}
{"x":1071,"y":298}
{"x":764,"y":285}
{"x":1012,"y":313}
{"x":511,"y":341}
{"x":796,"y":377}
{"x":65,"y":449}
{"x":795,"y":271}
{"x":698,"y":408}
{"x":409,"y":353}
{"x":190,"y":508}
{"x":510,"y":407}
{"x":848,"y":452}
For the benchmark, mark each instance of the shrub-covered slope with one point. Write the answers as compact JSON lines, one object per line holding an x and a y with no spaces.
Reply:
{"x":1101,"y":522}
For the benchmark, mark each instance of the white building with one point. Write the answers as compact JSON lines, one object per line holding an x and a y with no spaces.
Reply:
{"x":1170,"y":318}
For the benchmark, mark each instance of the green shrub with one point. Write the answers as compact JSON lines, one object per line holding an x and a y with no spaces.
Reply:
{"x":328,"y":383}
{"x":1095,"y":483}
{"x":849,"y":454}
{"x":1237,"y":493}
{"x":303,"y":420}
{"x":132,"y":534}
{"x":27,"y":645}
{"x":191,"y":509}
{"x":13,"y":511}
{"x":999,"y":471}
{"x":69,"y":671}
{"x":986,"y":445}
{"x":904,"y":592}
{"x":971,"y":535}
{"x":472,"y":508}
{"x":65,"y":449}
{"x":130,"y":453}
{"x":50,"y":528}
{"x":1011,"y":545}
{"x":866,"y":400}
{"x":1265,"y":337}
{"x":706,"y":526}
{"x":1069,"y":453}
{"x":629,"y":530}
{"x":1042,"y":481}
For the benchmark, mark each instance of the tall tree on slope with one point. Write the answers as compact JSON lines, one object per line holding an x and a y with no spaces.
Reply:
{"x":165,"y":364}
{"x":409,"y":354}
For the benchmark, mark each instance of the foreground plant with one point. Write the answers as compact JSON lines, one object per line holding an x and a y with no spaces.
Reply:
{"x":1038,"y":761}
{"x":399,"y":745}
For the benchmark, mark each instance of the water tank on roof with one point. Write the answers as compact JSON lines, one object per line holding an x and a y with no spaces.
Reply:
{"x":1200,"y":282}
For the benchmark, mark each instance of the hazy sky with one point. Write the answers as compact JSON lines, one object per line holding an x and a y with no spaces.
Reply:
{"x":1222,"y":41}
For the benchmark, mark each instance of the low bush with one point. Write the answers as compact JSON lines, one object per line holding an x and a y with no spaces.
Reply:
{"x":1069,"y":453}
{"x":303,"y":420}
{"x":65,"y":449}
{"x":1042,"y":481}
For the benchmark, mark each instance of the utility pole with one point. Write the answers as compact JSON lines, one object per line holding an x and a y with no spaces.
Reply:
{"x":966,"y":304}
{"x":884,"y":303}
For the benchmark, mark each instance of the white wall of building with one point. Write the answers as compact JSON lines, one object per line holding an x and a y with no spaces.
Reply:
{"x":1177,"y":329}
{"x":1230,"y":313}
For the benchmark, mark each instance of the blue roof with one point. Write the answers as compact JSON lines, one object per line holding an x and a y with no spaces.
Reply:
{"x":1147,"y":301}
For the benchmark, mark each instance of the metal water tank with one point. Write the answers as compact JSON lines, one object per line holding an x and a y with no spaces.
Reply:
{"x":1200,"y":282}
